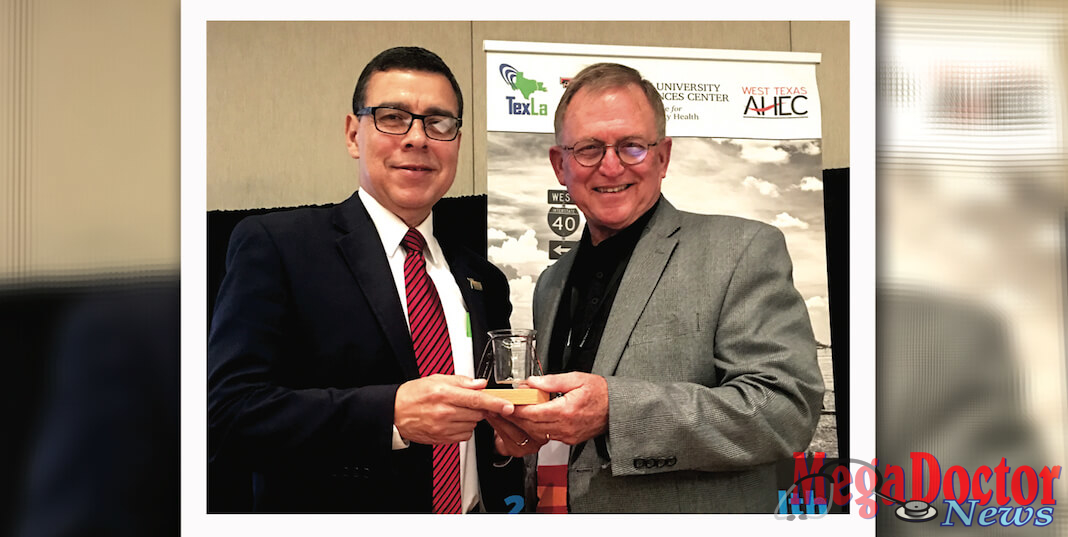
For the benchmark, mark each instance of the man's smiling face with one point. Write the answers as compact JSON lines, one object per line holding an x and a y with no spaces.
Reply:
{"x":611,"y":194}
{"x":406,"y":173}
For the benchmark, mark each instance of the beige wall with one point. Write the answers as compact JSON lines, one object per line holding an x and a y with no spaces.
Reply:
{"x":89,"y":134}
{"x":277,"y":98}
{"x":278,"y":92}
{"x":89,"y":137}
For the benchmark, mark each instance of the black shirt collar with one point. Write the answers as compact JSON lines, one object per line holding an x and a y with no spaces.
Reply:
{"x":621,"y":243}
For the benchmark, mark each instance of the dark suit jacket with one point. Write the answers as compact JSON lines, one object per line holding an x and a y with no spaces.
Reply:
{"x":105,"y":457}
{"x":308,"y":346}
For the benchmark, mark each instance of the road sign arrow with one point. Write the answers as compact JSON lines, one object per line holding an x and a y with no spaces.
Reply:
{"x":559,"y":248}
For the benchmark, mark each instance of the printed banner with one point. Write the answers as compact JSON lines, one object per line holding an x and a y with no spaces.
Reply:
{"x":745,"y":129}
{"x":707,"y":93}
{"x":746,"y":142}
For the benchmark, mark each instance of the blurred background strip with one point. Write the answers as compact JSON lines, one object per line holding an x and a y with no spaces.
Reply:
{"x":971,"y":238}
{"x":89,"y":251}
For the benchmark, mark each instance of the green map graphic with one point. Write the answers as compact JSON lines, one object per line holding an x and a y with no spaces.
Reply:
{"x":526,"y":85}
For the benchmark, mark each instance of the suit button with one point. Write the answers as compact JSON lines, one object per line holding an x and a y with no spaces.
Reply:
{"x":639,"y":463}
{"x":661,"y":462}
{"x":650,"y":463}
{"x":671,"y":461}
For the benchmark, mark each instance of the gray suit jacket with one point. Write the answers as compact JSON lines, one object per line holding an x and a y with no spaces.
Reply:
{"x":711,"y":368}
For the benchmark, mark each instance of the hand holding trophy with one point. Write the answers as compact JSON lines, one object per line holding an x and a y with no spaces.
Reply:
{"x":510,"y":354}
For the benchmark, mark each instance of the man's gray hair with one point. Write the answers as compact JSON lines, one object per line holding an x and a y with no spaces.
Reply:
{"x":604,"y":76}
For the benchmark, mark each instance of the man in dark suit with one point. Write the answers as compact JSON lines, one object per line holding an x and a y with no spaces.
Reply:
{"x":345,"y":340}
{"x":684,"y":352}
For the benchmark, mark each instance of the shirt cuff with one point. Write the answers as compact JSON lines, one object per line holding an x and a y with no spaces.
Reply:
{"x":398,"y":442}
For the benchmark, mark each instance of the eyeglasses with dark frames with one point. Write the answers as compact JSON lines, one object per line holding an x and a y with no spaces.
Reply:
{"x":391,"y":120}
{"x":589,"y":153}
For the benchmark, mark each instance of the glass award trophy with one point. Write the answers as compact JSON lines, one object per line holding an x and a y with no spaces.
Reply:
{"x":511,"y":355}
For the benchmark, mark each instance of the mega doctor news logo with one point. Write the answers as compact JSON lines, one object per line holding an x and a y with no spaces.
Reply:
{"x":527,"y":87}
{"x":999,"y":495}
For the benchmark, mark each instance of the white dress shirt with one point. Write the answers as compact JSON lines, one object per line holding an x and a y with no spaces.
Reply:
{"x":391,"y":229}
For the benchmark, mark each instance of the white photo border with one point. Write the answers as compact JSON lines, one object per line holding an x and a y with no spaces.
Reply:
{"x":194,"y":17}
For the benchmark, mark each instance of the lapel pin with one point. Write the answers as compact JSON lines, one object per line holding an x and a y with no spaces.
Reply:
{"x":475,"y":284}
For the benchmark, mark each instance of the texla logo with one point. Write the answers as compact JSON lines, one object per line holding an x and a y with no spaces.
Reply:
{"x":526,"y":86}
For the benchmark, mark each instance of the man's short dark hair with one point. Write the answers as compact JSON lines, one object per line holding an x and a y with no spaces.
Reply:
{"x":404,"y":58}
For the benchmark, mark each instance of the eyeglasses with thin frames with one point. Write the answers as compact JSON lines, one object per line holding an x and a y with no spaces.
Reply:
{"x":589,"y":153}
{"x":391,"y":120}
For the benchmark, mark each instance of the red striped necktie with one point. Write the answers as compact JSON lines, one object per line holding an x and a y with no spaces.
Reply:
{"x":433,"y":354}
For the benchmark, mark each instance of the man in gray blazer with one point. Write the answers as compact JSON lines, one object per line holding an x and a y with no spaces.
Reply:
{"x":685,"y":355}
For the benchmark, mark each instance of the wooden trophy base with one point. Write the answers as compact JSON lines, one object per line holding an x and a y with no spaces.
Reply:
{"x":520,"y":396}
